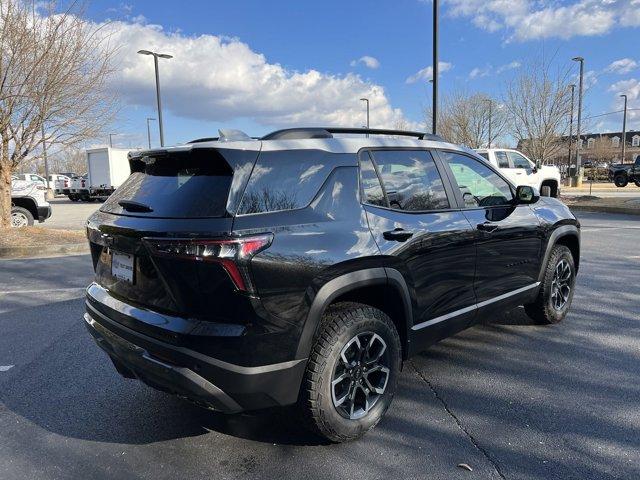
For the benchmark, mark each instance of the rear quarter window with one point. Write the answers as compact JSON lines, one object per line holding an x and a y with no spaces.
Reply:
{"x":288,"y":180}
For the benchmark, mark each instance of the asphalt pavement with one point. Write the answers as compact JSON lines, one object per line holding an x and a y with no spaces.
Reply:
{"x":510,"y":399}
{"x":68,"y":215}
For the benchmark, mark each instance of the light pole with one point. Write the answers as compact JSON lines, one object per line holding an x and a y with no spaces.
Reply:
{"x":111,"y":139}
{"x":367,"y":101}
{"x":624,"y":128}
{"x":490,"y":102}
{"x":155,"y":64}
{"x":434,"y":97}
{"x":573,"y":93}
{"x":580,"y":88}
{"x":149,"y":119}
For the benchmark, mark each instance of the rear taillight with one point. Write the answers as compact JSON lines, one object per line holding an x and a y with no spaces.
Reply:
{"x":66,"y":184}
{"x":82,"y":183}
{"x":233,"y":254}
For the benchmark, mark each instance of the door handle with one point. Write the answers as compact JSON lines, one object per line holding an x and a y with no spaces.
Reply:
{"x":398,"y":234}
{"x":487,"y":227}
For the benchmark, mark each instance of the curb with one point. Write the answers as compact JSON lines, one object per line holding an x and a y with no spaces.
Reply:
{"x":605,"y":209}
{"x":44,"y":251}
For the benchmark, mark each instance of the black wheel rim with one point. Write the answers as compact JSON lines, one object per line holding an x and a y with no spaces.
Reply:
{"x":361,"y":375}
{"x":561,"y":285}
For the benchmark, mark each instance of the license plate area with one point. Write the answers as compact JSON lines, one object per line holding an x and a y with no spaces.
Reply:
{"x":122,"y":266}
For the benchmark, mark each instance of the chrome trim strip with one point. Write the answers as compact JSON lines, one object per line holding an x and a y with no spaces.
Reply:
{"x":476,"y":306}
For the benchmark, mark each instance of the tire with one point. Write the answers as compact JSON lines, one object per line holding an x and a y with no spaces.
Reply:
{"x":320,"y":400}
{"x":637,"y":182}
{"x":73,"y":197}
{"x":545,"y":191}
{"x":553,"y":302}
{"x":21,"y":217}
{"x":620,"y":180}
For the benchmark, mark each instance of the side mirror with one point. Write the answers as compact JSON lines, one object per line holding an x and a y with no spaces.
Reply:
{"x":526,"y":195}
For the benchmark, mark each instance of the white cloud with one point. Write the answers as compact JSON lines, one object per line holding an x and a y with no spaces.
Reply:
{"x":622,"y":66}
{"x":216,"y":78}
{"x":367,"y":61}
{"x":479,"y":72}
{"x":508,"y":66}
{"x":631,"y":88}
{"x":528,"y":19}
{"x":427,"y":72}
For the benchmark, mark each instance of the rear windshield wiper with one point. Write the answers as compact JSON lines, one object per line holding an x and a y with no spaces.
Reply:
{"x":131,"y":206}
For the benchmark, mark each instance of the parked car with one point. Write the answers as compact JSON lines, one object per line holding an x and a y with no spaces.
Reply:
{"x":59,"y":183}
{"x":623,"y":173}
{"x":79,"y":189}
{"x":30,"y":177}
{"x":521,"y":171}
{"x":28,"y":202}
{"x":304,"y":267}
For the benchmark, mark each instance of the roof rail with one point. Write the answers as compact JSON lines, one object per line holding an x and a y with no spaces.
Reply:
{"x":205,"y":139}
{"x":327,"y":132}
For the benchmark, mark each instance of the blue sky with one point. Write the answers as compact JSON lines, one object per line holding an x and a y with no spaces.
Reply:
{"x":263,"y":65}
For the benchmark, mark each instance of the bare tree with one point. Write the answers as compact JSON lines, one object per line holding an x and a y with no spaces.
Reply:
{"x":464,"y":118}
{"x":54,"y":67}
{"x":538,"y":102}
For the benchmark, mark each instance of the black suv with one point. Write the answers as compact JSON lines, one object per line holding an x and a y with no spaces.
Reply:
{"x":305,"y":266}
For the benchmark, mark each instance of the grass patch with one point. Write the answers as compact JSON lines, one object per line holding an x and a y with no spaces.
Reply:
{"x":39,"y":236}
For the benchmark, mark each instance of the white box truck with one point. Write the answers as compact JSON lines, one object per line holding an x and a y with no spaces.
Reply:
{"x":107,"y":168}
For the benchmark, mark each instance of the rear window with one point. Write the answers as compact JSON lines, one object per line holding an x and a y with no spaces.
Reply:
{"x":190,"y":185}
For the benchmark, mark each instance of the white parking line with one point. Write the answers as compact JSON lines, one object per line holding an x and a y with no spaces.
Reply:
{"x":4,"y":368}
{"x":45,"y":290}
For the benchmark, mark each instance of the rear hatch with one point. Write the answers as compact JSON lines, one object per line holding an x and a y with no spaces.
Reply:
{"x":156,"y":241}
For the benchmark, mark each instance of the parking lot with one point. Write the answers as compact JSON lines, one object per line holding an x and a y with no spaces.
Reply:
{"x":69,"y":215}
{"x":510,"y":399}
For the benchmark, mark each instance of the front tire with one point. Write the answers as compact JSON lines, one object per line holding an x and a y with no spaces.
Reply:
{"x":556,"y":290}
{"x":352,"y":372}
{"x":21,"y":217}
{"x":620,"y":180}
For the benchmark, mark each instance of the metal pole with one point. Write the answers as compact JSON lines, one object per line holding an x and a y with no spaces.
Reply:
{"x":624,"y":128}
{"x":580,"y":90}
{"x":490,"y":102}
{"x":367,"y":101}
{"x":573,"y":93}
{"x":434,"y":108}
{"x":155,"y":64}
{"x":110,"y":140}
{"x":46,"y":161}
{"x":149,"y":131}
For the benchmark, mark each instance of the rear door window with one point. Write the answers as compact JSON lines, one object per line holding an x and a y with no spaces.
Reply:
{"x":503,"y":160}
{"x":411,"y":180}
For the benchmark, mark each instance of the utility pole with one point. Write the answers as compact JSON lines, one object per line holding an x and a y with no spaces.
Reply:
{"x":46,"y":160}
{"x":149,"y":131}
{"x":624,"y":128}
{"x":434,"y":99}
{"x":490,"y":102}
{"x":573,"y":93}
{"x":155,"y":64}
{"x":111,"y":139}
{"x":580,"y":90}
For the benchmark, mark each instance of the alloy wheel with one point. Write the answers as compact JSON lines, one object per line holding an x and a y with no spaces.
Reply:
{"x":19,"y":219}
{"x":561,"y":285}
{"x":360,"y":376}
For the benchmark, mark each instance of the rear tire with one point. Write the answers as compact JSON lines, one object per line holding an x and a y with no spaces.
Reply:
{"x":620,"y":180}
{"x":556,"y":291}
{"x":545,"y":191}
{"x":21,"y":217}
{"x":352,"y":372}
{"x":637,"y":182}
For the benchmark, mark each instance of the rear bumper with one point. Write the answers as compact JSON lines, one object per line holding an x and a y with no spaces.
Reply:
{"x":207,"y":381}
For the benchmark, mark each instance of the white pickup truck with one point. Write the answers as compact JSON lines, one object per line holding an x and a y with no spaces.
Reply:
{"x":28,"y":202}
{"x":522,"y":171}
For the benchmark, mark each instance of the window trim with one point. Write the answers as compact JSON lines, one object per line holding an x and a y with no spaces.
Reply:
{"x":458,"y":194}
{"x":448,"y":188}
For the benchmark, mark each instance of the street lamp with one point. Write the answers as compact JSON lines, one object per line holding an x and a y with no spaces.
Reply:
{"x":573,"y":94}
{"x":111,"y":135}
{"x":155,"y":64}
{"x":624,"y":128}
{"x":434,"y":96}
{"x":580,"y":88}
{"x":367,"y":101}
{"x":490,"y":102}
{"x":149,"y":119}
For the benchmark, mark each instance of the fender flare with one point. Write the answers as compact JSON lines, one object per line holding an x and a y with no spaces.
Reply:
{"x":562,"y":231}
{"x":343,"y":284}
